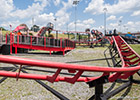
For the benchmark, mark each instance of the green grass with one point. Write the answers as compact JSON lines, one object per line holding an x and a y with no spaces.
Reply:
{"x":4,"y":32}
{"x":136,"y":48}
{"x":71,"y":36}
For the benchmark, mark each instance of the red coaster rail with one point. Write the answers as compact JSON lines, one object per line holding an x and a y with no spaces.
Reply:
{"x":128,"y":58}
{"x":127,"y":55}
{"x":129,"y":61}
{"x":59,"y":66}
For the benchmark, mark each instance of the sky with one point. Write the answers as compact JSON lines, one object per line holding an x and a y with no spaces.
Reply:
{"x":123,"y":15}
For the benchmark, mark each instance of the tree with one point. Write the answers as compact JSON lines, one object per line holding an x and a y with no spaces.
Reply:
{"x":3,"y":29}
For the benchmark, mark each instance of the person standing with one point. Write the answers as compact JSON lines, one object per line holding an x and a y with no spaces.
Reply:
{"x":19,"y":33}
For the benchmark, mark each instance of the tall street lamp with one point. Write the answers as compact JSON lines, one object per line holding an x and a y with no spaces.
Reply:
{"x":55,"y":22}
{"x":105,"y":10}
{"x":33,"y":23}
{"x":120,"y":21}
{"x":75,"y":3}
{"x":124,"y":28}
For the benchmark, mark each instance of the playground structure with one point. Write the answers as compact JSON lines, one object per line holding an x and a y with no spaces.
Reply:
{"x":126,"y":62}
{"x":92,"y":39}
{"x":39,"y":43}
{"x":18,"y":42}
{"x":43,"y":30}
{"x":85,"y":38}
{"x":22,"y":43}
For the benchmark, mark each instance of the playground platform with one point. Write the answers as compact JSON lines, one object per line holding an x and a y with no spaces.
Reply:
{"x":37,"y":43}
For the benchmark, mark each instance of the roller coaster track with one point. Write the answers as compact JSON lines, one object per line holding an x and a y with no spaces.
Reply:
{"x":126,"y":62}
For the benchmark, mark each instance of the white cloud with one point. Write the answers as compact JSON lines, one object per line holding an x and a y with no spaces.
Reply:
{"x":33,"y":10}
{"x":112,"y":17}
{"x":136,"y":13}
{"x":56,"y":2}
{"x":121,"y":17}
{"x":6,"y":6}
{"x":113,"y":25}
{"x":82,"y":25}
{"x":13,"y":23}
{"x":133,"y":26}
{"x":89,"y":21}
{"x":122,"y":6}
{"x":62,"y":15}
{"x":10,"y":13}
{"x":130,"y":26}
{"x":130,"y":23}
{"x":43,"y":19}
{"x":95,"y":6}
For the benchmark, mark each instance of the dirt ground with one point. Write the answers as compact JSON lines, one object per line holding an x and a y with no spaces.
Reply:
{"x":24,"y":89}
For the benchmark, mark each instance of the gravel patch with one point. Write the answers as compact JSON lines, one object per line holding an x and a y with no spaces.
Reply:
{"x":24,"y":89}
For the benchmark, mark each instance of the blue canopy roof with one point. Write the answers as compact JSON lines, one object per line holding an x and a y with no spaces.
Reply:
{"x":130,"y":36}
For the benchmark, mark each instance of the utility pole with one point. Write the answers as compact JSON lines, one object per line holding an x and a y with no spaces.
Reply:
{"x":75,"y":3}
{"x":33,"y":23}
{"x":105,"y":10}
{"x":120,"y":21}
{"x":55,"y":22}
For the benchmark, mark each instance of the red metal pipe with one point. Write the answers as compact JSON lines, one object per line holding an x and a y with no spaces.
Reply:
{"x":131,"y":48}
{"x":11,"y":43}
{"x":17,"y":39}
{"x":15,"y":49}
{"x":121,"y":44}
{"x":41,"y":77}
{"x":123,"y":63}
{"x":48,"y":64}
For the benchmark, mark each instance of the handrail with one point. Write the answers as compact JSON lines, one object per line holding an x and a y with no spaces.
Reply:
{"x":125,"y":52}
{"x":123,"y":65}
{"x":36,"y":39}
{"x":49,"y":64}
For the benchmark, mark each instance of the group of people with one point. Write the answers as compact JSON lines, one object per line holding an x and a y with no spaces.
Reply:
{"x":95,"y":35}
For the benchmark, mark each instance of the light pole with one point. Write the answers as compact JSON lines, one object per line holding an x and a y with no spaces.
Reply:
{"x":10,"y":28}
{"x":75,"y":3}
{"x":105,"y":10}
{"x":55,"y":22}
{"x":33,"y":23}
{"x":124,"y":28}
{"x":67,"y":30}
{"x":120,"y":25}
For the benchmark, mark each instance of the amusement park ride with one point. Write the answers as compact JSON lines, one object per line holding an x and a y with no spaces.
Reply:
{"x":126,"y":63}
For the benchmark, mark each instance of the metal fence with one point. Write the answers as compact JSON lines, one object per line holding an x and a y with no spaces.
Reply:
{"x":39,"y":41}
